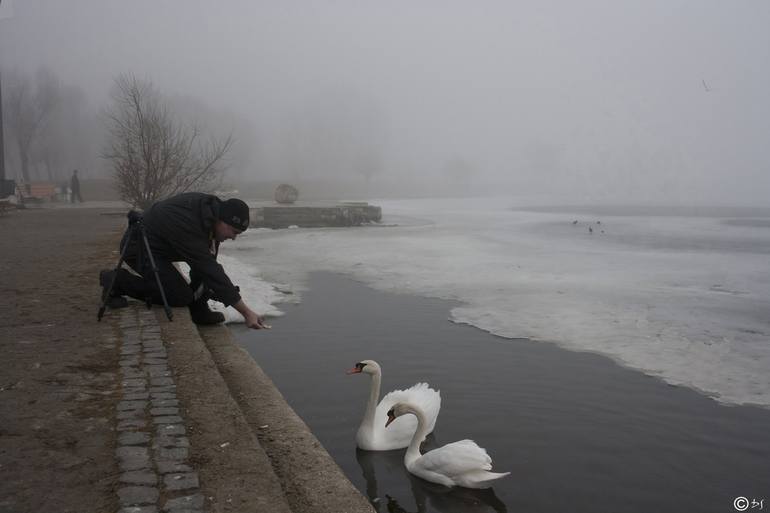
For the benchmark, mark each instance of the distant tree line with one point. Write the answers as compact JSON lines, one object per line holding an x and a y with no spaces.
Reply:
{"x":154,"y":145}
{"x":147,"y":145}
{"x":49,"y":127}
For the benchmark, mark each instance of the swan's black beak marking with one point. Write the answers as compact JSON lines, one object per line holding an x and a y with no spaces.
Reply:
{"x":391,"y":417}
{"x":357,"y":369}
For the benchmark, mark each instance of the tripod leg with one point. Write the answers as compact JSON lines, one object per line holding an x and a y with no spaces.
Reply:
{"x":114,"y":278}
{"x":167,"y":308}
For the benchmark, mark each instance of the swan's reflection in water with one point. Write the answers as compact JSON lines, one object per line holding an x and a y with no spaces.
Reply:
{"x":427,"y":496}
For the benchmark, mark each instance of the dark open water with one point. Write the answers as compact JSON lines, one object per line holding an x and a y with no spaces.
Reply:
{"x":578,"y":432}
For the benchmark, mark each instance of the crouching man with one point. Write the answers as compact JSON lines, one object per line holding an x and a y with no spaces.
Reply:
{"x":184,"y":228}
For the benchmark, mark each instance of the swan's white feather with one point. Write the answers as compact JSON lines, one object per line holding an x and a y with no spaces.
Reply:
{"x":461,"y":463}
{"x":479,"y":478}
{"x":399,"y":433}
{"x":456,"y":458}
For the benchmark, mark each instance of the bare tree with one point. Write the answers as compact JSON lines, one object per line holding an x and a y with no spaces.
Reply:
{"x":65,"y":142}
{"x":153,"y":155}
{"x":29,"y":106}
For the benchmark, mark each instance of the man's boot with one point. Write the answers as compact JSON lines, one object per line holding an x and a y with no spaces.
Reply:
{"x":201,"y":314}
{"x":116,"y":299}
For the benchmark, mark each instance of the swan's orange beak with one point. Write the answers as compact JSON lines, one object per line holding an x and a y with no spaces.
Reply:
{"x":391,"y":418}
{"x":354,"y":370}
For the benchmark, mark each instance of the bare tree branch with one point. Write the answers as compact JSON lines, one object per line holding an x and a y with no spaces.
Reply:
{"x":153,"y":155}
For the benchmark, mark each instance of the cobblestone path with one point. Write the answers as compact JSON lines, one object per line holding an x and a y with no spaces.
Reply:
{"x":153,"y":447}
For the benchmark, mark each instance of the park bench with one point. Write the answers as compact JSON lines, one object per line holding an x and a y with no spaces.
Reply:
{"x":6,"y":206}
{"x":7,"y":190}
{"x":37,"y":192}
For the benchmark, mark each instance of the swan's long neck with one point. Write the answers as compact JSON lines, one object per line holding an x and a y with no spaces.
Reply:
{"x":413,"y":451}
{"x":374,"y":397}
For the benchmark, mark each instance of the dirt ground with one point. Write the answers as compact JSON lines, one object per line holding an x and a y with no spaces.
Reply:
{"x":58,"y":372}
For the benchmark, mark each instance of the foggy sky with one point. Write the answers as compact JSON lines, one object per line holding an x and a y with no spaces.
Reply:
{"x":594,"y":100}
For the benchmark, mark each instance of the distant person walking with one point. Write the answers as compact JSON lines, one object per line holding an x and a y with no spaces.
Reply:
{"x":75,"y":188}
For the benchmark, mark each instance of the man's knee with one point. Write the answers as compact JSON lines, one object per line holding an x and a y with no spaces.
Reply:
{"x":177,"y":290}
{"x":179,"y":297}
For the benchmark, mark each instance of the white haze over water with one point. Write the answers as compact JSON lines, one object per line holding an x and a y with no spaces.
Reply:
{"x":682,"y":298}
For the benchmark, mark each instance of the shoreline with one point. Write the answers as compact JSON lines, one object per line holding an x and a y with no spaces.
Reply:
{"x":309,"y":478}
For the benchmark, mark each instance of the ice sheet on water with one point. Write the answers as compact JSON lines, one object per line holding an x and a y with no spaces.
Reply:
{"x":260,"y":295}
{"x":683,"y":298}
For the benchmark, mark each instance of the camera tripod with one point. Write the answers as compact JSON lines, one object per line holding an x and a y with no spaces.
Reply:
{"x":136,"y":233}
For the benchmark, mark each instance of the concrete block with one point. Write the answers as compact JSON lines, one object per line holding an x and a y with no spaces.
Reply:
{"x":138,"y":495}
{"x":139,"y":477}
{"x":177,"y":482}
{"x":133,"y":438}
{"x":187,"y":502}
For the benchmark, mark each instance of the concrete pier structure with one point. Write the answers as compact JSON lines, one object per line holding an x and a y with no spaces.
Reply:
{"x":315,"y":215}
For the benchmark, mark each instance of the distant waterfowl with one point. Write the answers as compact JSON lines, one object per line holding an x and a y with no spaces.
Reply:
{"x":372,"y":435}
{"x":590,"y":230}
{"x":574,"y":222}
{"x":460,"y":463}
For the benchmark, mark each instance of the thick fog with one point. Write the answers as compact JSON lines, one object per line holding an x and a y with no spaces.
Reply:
{"x":646,"y":101}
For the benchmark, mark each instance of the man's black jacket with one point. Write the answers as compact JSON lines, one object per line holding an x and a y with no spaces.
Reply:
{"x":181,"y":229}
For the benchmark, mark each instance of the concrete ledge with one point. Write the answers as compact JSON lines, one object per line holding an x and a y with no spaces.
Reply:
{"x":311,"y":479}
{"x":344,"y":214}
{"x":234,"y":470}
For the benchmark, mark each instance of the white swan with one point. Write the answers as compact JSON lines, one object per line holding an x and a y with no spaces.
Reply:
{"x":460,"y":463}
{"x":372,"y":435}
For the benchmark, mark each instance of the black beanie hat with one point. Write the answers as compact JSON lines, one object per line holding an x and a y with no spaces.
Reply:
{"x":235,"y":213}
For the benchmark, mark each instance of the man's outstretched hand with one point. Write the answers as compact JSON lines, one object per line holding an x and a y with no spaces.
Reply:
{"x":256,"y":321}
{"x":252,"y":318}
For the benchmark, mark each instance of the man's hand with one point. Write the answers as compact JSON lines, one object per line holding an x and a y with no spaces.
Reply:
{"x":255,"y":321}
